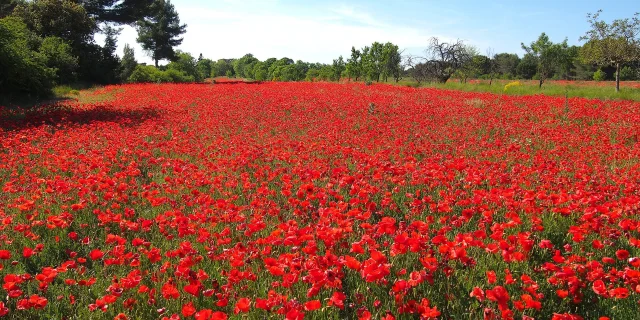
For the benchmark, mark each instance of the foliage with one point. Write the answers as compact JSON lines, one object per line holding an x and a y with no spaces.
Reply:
{"x":70,"y":22}
{"x":243,"y":67}
{"x":143,"y":73}
{"x":337,"y":67}
{"x":527,"y":67}
{"x":612,"y":44}
{"x":116,"y":11}
{"x":391,"y":62}
{"x":64,"y":19}
{"x":548,"y":56}
{"x":7,"y":6}
{"x":599,"y":75}
{"x":160,"y":32}
{"x":24,"y":69}
{"x":222,"y":67}
{"x":128,"y":63}
{"x":627,"y":73}
{"x":187,"y":64}
{"x":507,"y":64}
{"x":60,"y":58}
{"x":204,"y":67}
{"x":354,"y":64}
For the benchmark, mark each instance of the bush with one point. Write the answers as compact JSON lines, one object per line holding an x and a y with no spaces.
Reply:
{"x":177,"y":76}
{"x":24,"y":69}
{"x":151,"y":74}
{"x":142,"y":74}
{"x":59,"y":57}
{"x":514,"y":84}
{"x":627,"y":73}
{"x":599,"y":75}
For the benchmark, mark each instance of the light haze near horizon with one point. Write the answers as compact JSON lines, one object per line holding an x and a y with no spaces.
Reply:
{"x":320,"y":31}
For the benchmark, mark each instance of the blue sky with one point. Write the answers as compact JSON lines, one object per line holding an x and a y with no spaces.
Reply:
{"x":319,"y":31}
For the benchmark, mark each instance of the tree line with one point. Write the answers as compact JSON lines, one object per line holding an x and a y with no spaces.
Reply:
{"x":49,"y":42}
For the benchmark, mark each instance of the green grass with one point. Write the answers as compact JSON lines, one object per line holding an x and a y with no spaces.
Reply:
{"x":58,"y":94}
{"x":550,"y":89}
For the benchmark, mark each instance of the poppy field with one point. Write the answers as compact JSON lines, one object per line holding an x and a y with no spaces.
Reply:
{"x":319,"y":201}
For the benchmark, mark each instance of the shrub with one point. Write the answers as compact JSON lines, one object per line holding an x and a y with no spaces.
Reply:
{"x":144,"y":73}
{"x":24,"y":69}
{"x":599,"y":75}
{"x":514,"y":84}
{"x":627,"y":73}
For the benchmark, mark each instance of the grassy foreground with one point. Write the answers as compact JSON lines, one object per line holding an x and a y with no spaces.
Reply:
{"x":630,"y":90}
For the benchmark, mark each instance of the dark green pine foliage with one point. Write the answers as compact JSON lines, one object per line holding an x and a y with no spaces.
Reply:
{"x":160,"y":32}
{"x":116,"y":11}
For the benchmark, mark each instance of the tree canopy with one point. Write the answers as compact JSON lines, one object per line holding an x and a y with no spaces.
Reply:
{"x":160,"y":32}
{"x":612,"y":44}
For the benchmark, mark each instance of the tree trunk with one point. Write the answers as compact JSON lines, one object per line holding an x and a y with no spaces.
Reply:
{"x":540,"y":85}
{"x":617,"y":77}
{"x":156,"y":60}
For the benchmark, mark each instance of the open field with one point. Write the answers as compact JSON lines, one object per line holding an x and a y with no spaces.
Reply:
{"x":629,"y":90}
{"x":319,"y":201}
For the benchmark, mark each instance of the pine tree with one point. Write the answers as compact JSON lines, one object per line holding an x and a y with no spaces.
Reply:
{"x":161,"y":31}
{"x":128,"y":63}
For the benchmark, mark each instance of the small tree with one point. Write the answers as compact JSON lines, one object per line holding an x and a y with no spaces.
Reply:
{"x":547,"y":55}
{"x":354,"y":64}
{"x":161,"y":31}
{"x":128,"y":63}
{"x":187,"y":64}
{"x":338,"y":67}
{"x":391,"y":62}
{"x":443,"y":59}
{"x":611,"y":44}
{"x":204,"y":67}
{"x":492,"y":65}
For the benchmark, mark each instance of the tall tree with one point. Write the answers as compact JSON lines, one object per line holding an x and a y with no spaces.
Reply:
{"x":160,"y":32}
{"x":547,"y":55}
{"x":372,"y":61}
{"x":354,"y":64}
{"x":128,"y":63}
{"x":204,"y":67}
{"x":338,"y":67}
{"x":391,"y":61}
{"x":612,"y":44}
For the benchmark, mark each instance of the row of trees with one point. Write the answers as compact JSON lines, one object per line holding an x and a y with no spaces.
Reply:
{"x":378,"y":62}
{"x":610,"y":49}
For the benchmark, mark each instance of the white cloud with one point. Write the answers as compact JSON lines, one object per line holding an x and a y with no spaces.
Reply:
{"x":269,"y":31}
